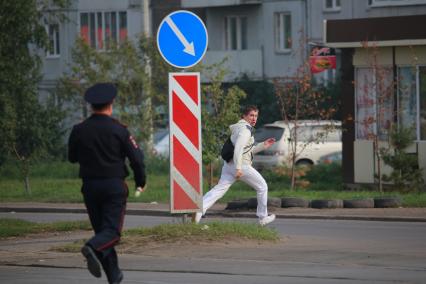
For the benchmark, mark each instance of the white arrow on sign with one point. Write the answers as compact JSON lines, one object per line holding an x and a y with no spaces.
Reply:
{"x":189,"y":47}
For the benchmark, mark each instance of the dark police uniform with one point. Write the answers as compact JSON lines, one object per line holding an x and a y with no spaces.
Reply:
{"x":100,"y":145}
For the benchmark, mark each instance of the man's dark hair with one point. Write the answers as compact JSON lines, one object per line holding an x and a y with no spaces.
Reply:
{"x":99,"y":107}
{"x":248,"y":109}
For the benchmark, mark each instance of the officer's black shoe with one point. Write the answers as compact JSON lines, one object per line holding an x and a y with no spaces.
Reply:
{"x":93,"y":264}
{"x":119,"y":279}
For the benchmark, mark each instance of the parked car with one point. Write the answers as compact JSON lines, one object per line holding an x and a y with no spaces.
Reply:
{"x":315,"y":139}
{"x":335,"y":157}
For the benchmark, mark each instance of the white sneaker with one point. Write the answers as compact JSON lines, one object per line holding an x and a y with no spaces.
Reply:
{"x":266,"y":220}
{"x":198,"y":216}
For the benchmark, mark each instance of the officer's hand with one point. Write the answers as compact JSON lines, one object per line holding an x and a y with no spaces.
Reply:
{"x":238,"y":174}
{"x":139,"y":190}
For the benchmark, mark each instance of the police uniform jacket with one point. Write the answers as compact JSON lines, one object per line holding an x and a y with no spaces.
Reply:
{"x":100,"y":145}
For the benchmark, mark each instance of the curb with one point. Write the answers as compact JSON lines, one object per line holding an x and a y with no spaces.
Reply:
{"x":219,"y":213}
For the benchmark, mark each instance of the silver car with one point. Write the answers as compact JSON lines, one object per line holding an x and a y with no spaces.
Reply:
{"x":315,"y":138}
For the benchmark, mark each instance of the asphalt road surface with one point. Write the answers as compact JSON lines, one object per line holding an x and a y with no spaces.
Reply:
{"x":312,"y":251}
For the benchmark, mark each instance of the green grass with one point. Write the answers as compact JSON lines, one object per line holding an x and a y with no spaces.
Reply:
{"x":187,"y":233}
{"x":20,"y":228}
{"x":215,"y":231}
{"x":68,"y":190}
{"x":57,"y":182}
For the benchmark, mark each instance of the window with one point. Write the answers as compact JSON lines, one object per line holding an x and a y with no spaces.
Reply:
{"x":422,"y":102}
{"x":264,"y":133}
{"x":384,"y":3}
{"x":282,"y":32}
{"x":374,"y":103}
{"x":235,"y":33}
{"x":101,"y":29}
{"x":332,"y":5}
{"x":407,"y":98}
{"x":412,"y":100}
{"x":54,"y":46}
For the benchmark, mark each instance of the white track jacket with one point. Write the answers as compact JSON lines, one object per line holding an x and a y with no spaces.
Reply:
{"x":244,"y":146}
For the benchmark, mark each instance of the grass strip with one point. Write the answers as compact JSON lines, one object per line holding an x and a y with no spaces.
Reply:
{"x":214,"y":231}
{"x":186,"y":233}
{"x":20,"y":228}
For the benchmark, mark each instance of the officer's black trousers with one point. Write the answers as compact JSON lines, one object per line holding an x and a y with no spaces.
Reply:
{"x":105,"y":201}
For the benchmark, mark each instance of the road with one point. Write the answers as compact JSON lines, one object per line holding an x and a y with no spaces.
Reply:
{"x":312,"y":251}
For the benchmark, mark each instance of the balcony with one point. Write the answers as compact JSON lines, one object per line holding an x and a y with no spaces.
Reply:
{"x":216,"y":3}
{"x":238,"y":62}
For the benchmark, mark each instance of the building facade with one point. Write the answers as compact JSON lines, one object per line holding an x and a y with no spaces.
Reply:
{"x":266,"y":39}
{"x":99,"y":22}
{"x":263,"y":39}
{"x":383,"y":86}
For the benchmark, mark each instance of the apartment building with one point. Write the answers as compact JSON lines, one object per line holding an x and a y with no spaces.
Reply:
{"x":266,"y":39}
{"x":99,"y":23}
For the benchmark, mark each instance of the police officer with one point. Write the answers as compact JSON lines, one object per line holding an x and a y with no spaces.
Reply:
{"x":100,"y":145}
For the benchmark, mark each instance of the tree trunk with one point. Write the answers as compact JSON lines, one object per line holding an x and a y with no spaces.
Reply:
{"x":27,"y":185}
{"x":293,"y":178}
{"x":210,"y":180}
{"x":26,"y":176}
{"x":379,"y":166}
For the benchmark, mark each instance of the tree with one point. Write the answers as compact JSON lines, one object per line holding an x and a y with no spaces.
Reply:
{"x":122,"y":64}
{"x":261,"y":94}
{"x":299,"y":99}
{"x":26,"y":128}
{"x":375,"y":86}
{"x":405,"y":175}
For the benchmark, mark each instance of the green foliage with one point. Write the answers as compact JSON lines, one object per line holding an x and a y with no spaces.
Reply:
{"x":123,"y":65}
{"x":159,"y":70}
{"x":156,"y":165}
{"x":406,"y":175}
{"x":221,"y":108}
{"x":332,"y":94}
{"x":330,"y":174}
{"x":262,"y":95}
{"x":29,"y":129}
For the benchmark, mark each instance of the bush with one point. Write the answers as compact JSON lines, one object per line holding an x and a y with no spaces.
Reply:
{"x":325,"y":177}
{"x":66,"y":170}
{"x":156,"y":164}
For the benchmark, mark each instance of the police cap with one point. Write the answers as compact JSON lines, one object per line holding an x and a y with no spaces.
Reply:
{"x":100,"y":93}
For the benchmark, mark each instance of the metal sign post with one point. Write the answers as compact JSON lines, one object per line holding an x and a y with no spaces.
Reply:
{"x":182,"y":42}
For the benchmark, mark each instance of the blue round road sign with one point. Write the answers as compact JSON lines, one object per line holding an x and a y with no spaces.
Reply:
{"x":182,"y":39}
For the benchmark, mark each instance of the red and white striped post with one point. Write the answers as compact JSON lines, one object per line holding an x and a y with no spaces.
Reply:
{"x":186,"y":191}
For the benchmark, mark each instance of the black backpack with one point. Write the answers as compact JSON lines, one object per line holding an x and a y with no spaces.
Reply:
{"x":227,"y":152}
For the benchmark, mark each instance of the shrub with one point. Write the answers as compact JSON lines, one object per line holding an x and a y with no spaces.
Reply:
{"x":325,"y":176}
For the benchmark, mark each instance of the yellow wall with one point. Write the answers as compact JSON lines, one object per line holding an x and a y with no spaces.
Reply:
{"x":415,"y":55}
{"x":404,"y":55}
{"x":364,"y":57}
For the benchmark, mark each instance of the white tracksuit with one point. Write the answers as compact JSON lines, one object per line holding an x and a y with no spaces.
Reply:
{"x":243,"y":140}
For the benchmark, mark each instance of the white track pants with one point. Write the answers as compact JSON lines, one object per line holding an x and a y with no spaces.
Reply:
{"x":250,"y":176}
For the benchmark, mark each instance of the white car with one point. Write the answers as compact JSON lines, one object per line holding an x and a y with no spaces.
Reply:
{"x":314,"y":140}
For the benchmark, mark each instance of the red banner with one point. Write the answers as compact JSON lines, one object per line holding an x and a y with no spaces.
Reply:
{"x":321,"y":63}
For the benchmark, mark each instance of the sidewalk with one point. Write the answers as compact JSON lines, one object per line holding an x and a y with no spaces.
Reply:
{"x":302,"y":256}
{"x":151,"y":209}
